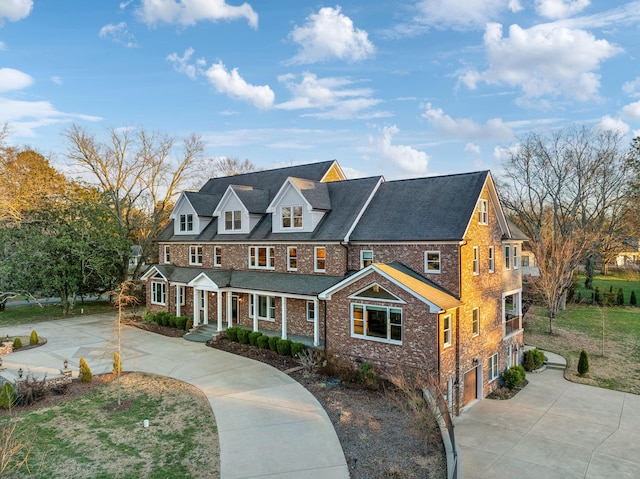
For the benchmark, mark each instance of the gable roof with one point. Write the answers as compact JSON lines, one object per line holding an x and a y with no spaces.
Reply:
{"x":203,"y":204}
{"x":255,"y":200}
{"x":422,"y":209}
{"x":315,"y":192}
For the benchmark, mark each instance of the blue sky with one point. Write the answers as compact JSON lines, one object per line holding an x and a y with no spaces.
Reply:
{"x":401,"y":89}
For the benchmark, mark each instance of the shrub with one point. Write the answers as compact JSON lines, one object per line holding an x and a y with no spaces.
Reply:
{"x":297,"y":349}
{"x":181,"y":322}
{"x":232,"y":334}
{"x":117,"y":363}
{"x":33,"y":339}
{"x":632,"y":300}
{"x":533,"y":359}
{"x":147,"y":317}
{"x":514,"y":377}
{"x":17,"y":343}
{"x":273,"y":343}
{"x":253,"y":338}
{"x":583,"y":363}
{"x":284,"y":347}
{"x":369,"y":377}
{"x":243,"y":336}
{"x":620,"y":297}
{"x":596,"y":296}
{"x":7,"y":396}
{"x":335,"y":366}
{"x":263,"y":342}
{"x":84,"y":374}
{"x":189,"y":324}
{"x":172,"y":321}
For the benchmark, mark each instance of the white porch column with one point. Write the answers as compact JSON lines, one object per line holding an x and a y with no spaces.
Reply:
{"x":205,"y":306}
{"x":196,"y":308}
{"x":229,"y":308}
{"x":316,"y":323}
{"x":284,"y":318}
{"x":219,"y":311}
{"x":178,"y":309}
{"x":255,"y":312}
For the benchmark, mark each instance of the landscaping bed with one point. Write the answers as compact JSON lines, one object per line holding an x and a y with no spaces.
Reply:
{"x":379,"y":436}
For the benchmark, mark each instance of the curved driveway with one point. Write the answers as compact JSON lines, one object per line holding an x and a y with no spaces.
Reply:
{"x":552,"y":429}
{"x":269,"y":426}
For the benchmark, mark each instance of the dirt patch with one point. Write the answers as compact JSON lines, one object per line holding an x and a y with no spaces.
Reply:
{"x":379,"y":436}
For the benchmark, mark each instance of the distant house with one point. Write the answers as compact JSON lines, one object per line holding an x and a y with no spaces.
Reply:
{"x":135,"y":258}
{"x":419,"y":273}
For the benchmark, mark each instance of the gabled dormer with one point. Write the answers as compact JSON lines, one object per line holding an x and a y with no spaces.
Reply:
{"x":299,"y":206}
{"x":192,"y":213}
{"x":240,"y":209}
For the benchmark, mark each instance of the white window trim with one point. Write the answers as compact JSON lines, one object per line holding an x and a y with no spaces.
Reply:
{"x":193,"y":254}
{"x":271,"y":309}
{"x":516,"y":257}
{"x":167,"y":254}
{"x":315,"y":259}
{"x":476,"y":261}
{"x":289,"y":257}
{"x":292,"y":217}
{"x":493,"y":368}
{"x":186,"y":217}
{"x":182,"y":291}
{"x":217,"y":256}
{"x":426,"y":263}
{"x":362,"y":259}
{"x":158,"y":288}
{"x":364,"y":325}
{"x":270,"y":255}
{"x":507,"y":256}
{"x":311,"y":311}
{"x":233,"y":220}
{"x":492,"y":259}
{"x":483,"y":212}
{"x":475,"y":312}
{"x":445,"y":343}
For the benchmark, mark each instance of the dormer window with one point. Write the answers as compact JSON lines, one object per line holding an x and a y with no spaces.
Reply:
{"x":186,"y":222}
{"x":292,"y":217}
{"x":233,"y":220}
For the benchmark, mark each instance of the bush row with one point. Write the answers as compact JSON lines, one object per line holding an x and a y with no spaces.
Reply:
{"x":165,"y":318}
{"x":284,"y":347}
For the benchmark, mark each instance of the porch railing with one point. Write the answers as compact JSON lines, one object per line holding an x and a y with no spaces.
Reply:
{"x":511,"y":324}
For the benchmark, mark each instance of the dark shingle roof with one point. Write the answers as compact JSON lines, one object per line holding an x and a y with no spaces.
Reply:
{"x":422,"y":209}
{"x":202,"y":203}
{"x":256,"y":201}
{"x":315,"y":192}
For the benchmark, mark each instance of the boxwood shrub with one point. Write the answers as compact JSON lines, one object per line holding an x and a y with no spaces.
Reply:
{"x":232,"y":334}
{"x":514,"y":377}
{"x":263,"y":342}
{"x":533,"y":359}
{"x":253,"y":338}
{"x":243,"y":336}
{"x":297,"y":349}
{"x":284,"y":347}
{"x":273,"y":343}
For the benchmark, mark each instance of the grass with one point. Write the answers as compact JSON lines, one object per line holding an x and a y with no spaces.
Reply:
{"x":90,"y":437}
{"x":614,"y":362}
{"x":624,"y":279}
{"x":16,"y":315}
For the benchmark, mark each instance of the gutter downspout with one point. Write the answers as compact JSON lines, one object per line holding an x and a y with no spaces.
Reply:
{"x":457,"y":380}
{"x":324,"y":303}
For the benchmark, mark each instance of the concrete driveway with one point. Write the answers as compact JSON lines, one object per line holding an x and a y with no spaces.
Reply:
{"x":552,"y":429}
{"x":269,"y":426}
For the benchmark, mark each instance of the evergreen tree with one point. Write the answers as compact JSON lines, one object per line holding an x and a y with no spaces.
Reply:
{"x":632,"y":300}
{"x":583,"y":363}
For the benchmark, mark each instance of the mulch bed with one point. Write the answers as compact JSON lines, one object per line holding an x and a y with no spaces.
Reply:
{"x":504,"y":393}
{"x":138,"y":322}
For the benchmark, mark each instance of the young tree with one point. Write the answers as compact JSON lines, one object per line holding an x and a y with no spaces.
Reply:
{"x":568,"y":192}
{"x":123,"y":298}
{"x":139,"y":176}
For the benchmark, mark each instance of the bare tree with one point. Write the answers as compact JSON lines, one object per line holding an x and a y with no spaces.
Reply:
{"x":139,"y":174}
{"x":223,"y":166}
{"x":568,"y":192}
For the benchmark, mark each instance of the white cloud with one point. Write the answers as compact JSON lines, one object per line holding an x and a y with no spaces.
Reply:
{"x":11,"y":79}
{"x":118,"y":34}
{"x":231,"y":83}
{"x":632,"y":88}
{"x":631,"y":111}
{"x":336,"y":96}
{"x":403,"y":157}
{"x":472,"y":148}
{"x":181,"y":63}
{"x":461,"y":14}
{"x":466,"y":128}
{"x":14,"y":10}
{"x":502,"y":154}
{"x":189,"y":12}
{"x":555,"y":9}
{"x":330,"y":34}
{"x":616,"y":124}
{"x":543,"y":60}
{"x":57,"y":80}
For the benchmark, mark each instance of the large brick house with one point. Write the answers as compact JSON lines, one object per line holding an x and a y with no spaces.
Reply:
{"x":420,"y":273}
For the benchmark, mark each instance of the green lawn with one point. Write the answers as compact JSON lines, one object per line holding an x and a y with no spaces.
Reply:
{"x":14,"y":315}
{"x":614,"y":361}
{"x":628,"y":281}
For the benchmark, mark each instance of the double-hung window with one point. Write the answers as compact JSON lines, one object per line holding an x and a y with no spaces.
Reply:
{"x":446,"y":330}
{"x":432,"y":261}
{"x":320,"y":259}
{"x":378,"y":323}
{"x":266,"y":307}
{"x":476,"y":321}
{"x":516,"y":257}
{"x":233,"y":220}
{"x":366,"y":258}
{"x":158,"y":293}
{"x":180,"y":291}
{"x":311,"y":311}
{"x":492,"y":259}
{"x":195,"y":255}
{"x":167,"y":254}
{"x":262,"y":257}
{"x":217,"y":256}
{"x":507,"y":257}
{"x":493,"y":367}
{"x":291,"y":217}
{"x":476,"y":260}
{"x":186,"y":222}
{"x":292,"y":258}
{"x":483,"y":212}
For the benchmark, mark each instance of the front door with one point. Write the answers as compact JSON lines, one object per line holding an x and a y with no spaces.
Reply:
{"x":234,"y":309}
{"x":470,"y":386}
{"x":203,"y":306}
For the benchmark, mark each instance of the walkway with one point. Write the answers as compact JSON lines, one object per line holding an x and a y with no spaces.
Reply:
{"x":269,"y":426}
{"x":553,"y":428}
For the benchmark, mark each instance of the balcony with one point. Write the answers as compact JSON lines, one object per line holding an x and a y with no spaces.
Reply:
{"x":511,"y":324}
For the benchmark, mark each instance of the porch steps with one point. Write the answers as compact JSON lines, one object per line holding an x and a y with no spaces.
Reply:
{"x":202,"y":334}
